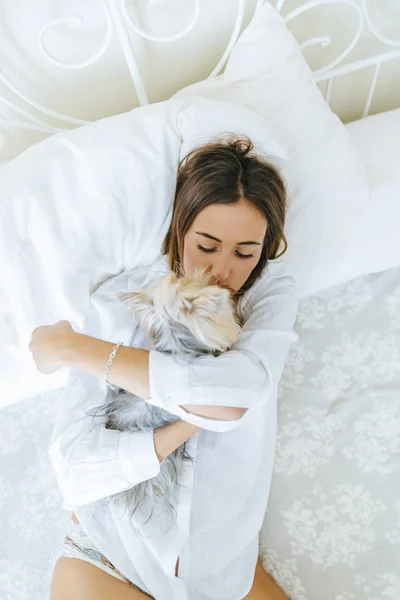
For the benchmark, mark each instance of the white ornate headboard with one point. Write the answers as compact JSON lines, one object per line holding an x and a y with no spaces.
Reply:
{"x":67,"y":66}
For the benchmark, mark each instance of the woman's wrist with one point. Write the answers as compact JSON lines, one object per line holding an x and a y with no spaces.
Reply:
{"x":169,"y":437}
{"x":64,"y":347}
{"x":129,"y":370}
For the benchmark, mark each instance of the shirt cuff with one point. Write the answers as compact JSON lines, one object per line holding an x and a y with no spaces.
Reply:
{"x":138,"y":456}
{"x":169,"y":387}
{"x":168,"y":381}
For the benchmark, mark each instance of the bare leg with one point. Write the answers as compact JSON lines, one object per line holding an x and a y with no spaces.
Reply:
{"x":264,"y":587}
{"x":75,"y":579}
{"x":75,"y":520}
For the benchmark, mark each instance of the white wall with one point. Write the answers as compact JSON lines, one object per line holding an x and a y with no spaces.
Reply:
{"x":105,"y":88}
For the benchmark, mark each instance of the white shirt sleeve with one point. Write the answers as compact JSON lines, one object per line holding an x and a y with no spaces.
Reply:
{"x":91,"y":462}
{"x":249,"y":372}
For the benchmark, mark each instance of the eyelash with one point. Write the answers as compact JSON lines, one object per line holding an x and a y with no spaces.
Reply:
{"x":239,"y":254}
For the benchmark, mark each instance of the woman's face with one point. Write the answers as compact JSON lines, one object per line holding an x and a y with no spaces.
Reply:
{"x":227,"y":239}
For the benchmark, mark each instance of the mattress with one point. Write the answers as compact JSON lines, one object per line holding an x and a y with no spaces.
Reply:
{"x":332,"y":528}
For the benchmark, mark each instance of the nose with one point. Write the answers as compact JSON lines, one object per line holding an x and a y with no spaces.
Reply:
{"x":220,"y":270}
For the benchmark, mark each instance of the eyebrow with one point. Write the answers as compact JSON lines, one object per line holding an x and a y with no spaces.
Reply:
{"x":211,"y":237}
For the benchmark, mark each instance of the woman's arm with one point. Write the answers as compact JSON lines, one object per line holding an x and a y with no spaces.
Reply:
{"x":129,"y":370}
{"x":92,"y":462}
{"x":202,"y":391}
{"x":169,"y":437}
{"x":105,"y":462}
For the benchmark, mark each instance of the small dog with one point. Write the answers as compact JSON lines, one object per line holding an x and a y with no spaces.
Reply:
{"x":187,"y":318}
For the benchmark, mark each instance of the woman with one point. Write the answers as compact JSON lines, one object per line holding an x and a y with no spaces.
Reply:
{"x":228,"y":216}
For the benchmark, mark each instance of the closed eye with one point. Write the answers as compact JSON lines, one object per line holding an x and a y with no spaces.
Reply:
{"x":200,"y":247}
{"x":243,"y":255}
{"x":239,"y":254}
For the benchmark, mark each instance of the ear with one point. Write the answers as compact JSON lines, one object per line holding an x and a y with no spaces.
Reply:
{"x":137,"y":302}
{"x":143,"y":311}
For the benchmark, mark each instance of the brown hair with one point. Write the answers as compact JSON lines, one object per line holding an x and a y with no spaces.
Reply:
{"x":225,"y":172}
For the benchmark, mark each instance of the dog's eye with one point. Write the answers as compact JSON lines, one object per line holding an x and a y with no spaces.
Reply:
{"x":200,"y":247}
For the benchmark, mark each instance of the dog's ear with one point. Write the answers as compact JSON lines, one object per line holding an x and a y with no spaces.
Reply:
{"x":142,"y":309}
{"x":138,"y":303}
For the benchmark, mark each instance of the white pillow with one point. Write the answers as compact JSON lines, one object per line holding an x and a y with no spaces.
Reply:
{"x":326,"y":177}
{"x":375,"y":238}
{"x":85,"y":205}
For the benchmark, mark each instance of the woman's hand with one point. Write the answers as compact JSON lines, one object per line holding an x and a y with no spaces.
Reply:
{"x":46,"y":343}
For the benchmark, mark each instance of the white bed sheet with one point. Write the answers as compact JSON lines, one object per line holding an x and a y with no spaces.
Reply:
{"x":332,"y":530}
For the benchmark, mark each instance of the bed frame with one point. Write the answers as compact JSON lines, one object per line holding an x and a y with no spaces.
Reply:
{"x":119,"y":22}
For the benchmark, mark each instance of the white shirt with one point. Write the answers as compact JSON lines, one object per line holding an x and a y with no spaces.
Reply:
{"x":224,"y":497}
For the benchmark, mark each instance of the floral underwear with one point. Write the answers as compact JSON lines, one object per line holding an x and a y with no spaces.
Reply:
{"x":77,"y":544}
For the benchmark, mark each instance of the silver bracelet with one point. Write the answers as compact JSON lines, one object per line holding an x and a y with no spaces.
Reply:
{"x":109,"y":362}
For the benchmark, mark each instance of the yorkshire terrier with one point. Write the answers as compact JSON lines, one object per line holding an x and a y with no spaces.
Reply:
{"x":186,"y":317}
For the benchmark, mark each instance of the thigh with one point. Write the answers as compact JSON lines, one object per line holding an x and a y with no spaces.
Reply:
{"x":75,"y":579}
{"x":264,"y":587}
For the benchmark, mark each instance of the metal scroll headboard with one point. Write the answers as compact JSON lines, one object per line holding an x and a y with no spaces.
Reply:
{"x":120,"y":23}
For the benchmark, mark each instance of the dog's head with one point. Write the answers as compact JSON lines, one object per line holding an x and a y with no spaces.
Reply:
{"x":185,"y":314}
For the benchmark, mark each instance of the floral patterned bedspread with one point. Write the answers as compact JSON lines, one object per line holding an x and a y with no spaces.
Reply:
{"x":332,"y":528}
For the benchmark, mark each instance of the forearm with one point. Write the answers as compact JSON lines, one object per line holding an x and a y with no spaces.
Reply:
{"x":129,"y":370}
{"x":171,"y":436}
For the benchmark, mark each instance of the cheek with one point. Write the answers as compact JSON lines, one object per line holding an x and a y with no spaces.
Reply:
{"x":246,"y":266}
{"x":244,"y":270}
{"x":190,"y":259}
